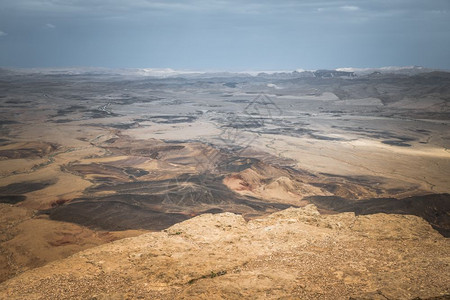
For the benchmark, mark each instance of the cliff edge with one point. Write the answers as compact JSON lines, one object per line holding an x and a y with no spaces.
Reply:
{"x":294,"y":253}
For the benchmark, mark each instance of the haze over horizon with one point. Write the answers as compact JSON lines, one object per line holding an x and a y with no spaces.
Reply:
{"x":225,"y":35}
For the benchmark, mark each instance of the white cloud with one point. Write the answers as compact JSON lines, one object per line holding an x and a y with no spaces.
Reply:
{"x":272,"y":85}
{"x":350,"y":8}
{"x":2,"y":33}
{"x":50,"y":26}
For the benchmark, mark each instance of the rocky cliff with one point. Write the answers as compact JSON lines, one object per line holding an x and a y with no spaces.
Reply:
{"x":295,"y":253}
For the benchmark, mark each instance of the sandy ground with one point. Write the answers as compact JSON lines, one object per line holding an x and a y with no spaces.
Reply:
{"x":366,"y":157}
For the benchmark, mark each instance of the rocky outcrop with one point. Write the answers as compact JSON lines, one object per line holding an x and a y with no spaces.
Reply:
{"x":294,"y":253}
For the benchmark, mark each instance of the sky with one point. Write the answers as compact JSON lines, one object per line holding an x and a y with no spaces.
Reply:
{"x":225,"y":35}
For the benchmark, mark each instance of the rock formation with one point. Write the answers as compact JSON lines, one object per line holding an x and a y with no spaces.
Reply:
{"x":292,"y":254}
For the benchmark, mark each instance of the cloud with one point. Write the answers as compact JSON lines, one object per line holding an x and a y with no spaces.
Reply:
{"x":119,"y":9}
{"x":114,"y":7}
{"x":50,"y":26}
{"x":2,"y":33}
{"x":349,"y":8}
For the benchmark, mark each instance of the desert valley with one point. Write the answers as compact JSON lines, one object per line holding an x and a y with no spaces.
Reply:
{"x":124,"y":184}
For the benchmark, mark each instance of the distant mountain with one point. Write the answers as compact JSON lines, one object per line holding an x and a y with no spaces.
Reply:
{"x":171,"y":73}
{"x":406,"y":70}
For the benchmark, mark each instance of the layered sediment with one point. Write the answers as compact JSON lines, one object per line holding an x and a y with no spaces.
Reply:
{"x":217,"y":174}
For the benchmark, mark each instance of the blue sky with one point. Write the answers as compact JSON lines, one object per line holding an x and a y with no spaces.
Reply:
{"x":225,"y":34}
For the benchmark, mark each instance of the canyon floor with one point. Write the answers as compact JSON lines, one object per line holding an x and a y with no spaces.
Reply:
{"x":224,"y":186}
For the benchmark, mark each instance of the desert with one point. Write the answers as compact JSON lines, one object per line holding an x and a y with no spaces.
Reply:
{"x":288,"y":185}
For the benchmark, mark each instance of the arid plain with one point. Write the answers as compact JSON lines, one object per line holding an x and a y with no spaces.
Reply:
{"x":313,"y":185}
